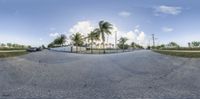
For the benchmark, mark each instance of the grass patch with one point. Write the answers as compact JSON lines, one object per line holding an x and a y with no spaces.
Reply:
{"x":180,"y":54}
{"x":181,"y":48}
{"x":5,"y":48}
{"x":11,"y":54}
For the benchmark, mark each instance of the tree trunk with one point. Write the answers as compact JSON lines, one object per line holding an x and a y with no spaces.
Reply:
{"x":123,"y":47}
{"x":76,"y":48}
{"x":80,"y":49}
{"x":103,"y":38}
{"x":104,"y":50}
{"x":91,"y":47}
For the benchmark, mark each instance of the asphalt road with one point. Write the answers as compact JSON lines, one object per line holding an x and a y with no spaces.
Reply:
{"x":139,"y":74}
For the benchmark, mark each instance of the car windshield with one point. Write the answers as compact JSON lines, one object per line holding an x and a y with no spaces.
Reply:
{"x":99,"y":49}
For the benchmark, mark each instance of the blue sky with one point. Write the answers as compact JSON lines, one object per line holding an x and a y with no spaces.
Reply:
{"x":37,"y":22}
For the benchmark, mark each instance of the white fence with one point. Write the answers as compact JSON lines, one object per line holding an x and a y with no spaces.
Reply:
{"x":68,"y":49}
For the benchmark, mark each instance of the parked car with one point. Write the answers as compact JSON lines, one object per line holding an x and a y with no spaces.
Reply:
{"x":39,"y":49}
{"x":32,"y":49}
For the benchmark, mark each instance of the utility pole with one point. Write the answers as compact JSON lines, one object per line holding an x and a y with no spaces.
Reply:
{"x":149,"y":43}
{"x":153,"y":38}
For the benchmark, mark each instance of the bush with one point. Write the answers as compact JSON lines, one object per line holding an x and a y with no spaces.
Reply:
{"x":126,"y":46}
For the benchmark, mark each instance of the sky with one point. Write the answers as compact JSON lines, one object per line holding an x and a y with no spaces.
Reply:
{"x":37,"y":22}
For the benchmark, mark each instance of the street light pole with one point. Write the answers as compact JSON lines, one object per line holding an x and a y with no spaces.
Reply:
{"x":150,"y":43}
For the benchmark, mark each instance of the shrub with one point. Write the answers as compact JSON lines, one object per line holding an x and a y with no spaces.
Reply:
{"x":126,"y":46}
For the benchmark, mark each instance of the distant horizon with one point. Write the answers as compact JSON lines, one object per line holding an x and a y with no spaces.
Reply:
{"x":36,"y":22}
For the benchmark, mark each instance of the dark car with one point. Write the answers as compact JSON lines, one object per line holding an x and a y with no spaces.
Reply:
{"x":32,"y":49}
{"x":39,"y":49}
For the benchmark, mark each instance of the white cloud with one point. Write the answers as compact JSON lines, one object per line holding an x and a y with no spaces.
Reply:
{"x":167,"y":29}
{"x":141,"y":38}
{"x":135,"y":35}
{"x":83,"y":27}
{"x":136,"y":30}
{"x":172,"y":10}
{"x":132,"y":36}
{"x":124,"y":14}
{"x":54,"y":34}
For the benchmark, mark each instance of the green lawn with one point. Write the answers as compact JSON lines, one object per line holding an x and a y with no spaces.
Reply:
{"x":180,"y":54}
{"x":5,"y":48}
{"x":11,"y":54}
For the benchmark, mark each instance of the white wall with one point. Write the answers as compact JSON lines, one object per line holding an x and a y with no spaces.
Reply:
{"x":68,"y":49}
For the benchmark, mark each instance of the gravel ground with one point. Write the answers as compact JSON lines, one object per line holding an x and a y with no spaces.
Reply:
{"x":139,"y":74}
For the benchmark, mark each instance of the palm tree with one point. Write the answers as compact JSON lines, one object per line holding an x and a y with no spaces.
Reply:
{"x":9,"y":45}
{"x":133,"y":45}
{"x":93,"y":35}
{"x":195,"y":44}
{"x":110,"y":45}
{"x":3,"y":45}
{"x":104,"y":28}
{"x":122,"y":41}
{"x":173,"y":44}
{"x":189,"y":44}
{"x":77,"y":40}
{"x":50,"y":45}
{"x":98,"y":45}
{"x":60,"y":40}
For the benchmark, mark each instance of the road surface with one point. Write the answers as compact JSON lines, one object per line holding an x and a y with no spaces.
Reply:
{"x":139,"y":74}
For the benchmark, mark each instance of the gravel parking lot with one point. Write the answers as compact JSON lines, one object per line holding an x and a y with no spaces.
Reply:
{"x":138,"y":74}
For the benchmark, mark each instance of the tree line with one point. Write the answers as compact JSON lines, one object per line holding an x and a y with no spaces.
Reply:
{"x":10,"y":45}
{"x":98,"y":34}
{"x":194,"y":45}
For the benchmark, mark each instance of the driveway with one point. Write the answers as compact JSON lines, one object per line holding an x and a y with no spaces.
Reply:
{"x":139,"y":74}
